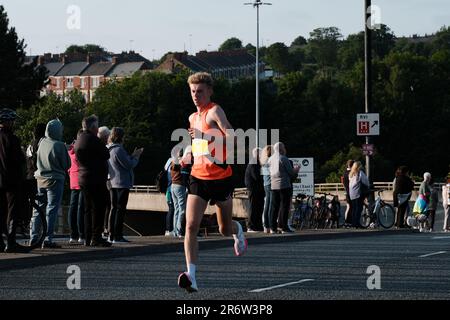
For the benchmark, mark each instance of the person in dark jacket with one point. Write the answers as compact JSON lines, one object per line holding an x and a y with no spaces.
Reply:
{"x":255,"y":186}
{"x":12,"y":177}
{"x":403,"y":187}
{"x":92,"y":156}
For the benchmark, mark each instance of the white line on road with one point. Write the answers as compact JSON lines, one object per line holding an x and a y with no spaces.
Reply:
{"x":282,"y":285}
{"x":443,"y":237}
{"x":432,"y":254}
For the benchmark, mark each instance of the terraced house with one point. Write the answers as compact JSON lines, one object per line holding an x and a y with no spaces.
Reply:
{"x":230,"y":64}
{"x":86,"y":73}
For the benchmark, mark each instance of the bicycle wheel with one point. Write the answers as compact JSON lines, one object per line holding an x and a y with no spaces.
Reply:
{"x":40,"y":228}
{"x":364,"y":221}
{"x":386,"y":216}
{"x":307,"y":218}
{"x":315,"y":218}
{"x":296,"y":219}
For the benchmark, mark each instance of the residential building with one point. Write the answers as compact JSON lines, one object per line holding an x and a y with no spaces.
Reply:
{"x":86,"y":73}
{"x":230,"y":64}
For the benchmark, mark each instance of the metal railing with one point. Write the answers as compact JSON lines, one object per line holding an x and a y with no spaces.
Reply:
{"x":319,"y":187}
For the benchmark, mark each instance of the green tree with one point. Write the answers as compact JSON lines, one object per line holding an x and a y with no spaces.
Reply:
{"x":442,"y":39}
{"x":69,"y":109}
{"x":299,"y":41}
{"x":231,"y":44}
{"x":383,"y":41}
{"x":85,"y":49}
{"x":351,"y":50}
{"x":278,"y":57}
{"x":324,"y":45}
{"x":20,"y":81}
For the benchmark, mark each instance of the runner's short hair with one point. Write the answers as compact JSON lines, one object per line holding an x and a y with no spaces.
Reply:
{"x":201,"y":77}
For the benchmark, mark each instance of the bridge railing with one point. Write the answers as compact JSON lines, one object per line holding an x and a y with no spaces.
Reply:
{"x":319,"y":187}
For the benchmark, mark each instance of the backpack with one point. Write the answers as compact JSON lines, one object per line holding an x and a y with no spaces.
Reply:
{"x":162,"y":181}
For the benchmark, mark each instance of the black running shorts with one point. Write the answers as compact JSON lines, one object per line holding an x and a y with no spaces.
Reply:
{"x":214,"y":190}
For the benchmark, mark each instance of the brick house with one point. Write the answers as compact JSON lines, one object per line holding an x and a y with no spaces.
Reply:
{"x":230,"y":64}
{"x":86,"y":73}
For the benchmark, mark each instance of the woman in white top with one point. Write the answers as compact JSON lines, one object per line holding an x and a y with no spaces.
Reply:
{"x":357,"y":178}
{"x":446,"y":204}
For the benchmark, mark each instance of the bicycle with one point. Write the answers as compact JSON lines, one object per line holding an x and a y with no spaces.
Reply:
{"x":382,"y":213}
{"x":326,"y":214}
{"x":301,"y":218}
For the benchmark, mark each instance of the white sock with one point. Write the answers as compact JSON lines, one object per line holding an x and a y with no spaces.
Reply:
{"x":235,"y":235}
{"x":191,"y":271}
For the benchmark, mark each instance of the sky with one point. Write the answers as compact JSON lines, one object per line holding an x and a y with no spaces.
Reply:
{"x":152,"y":27}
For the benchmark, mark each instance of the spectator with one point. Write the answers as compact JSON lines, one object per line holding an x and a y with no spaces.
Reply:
{"x":421,"y":206}
{"x":171,"y":211}
{"x":446,"y":205}
{"x":103,"y":135}
{"x":346,"y":183}
{"x":31,"y":188}
{"x":121,"y":167}
{"x":403,"y":187}
{"x":358,"y":181}
{"x":434,"y":199}
{"x":255,"y":186}
{"x":281,"y":172}
{"x":12,"y":176}
{"x":31,"y":157}
{"x":265,"y":171}
{"x":53,"y":161}
{"x":179,"y":189}
{"x":92,"y":156}
{"x":76,"y":207}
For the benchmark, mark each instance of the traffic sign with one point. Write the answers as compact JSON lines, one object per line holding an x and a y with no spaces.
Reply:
{"x":368,"y":124}
{"x":368,"y":149}
{"x":305,"y":179}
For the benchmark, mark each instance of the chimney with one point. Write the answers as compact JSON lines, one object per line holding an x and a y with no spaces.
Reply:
{"x":115,"y":60}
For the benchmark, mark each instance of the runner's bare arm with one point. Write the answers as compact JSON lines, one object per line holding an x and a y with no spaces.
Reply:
{"x":219,"y":116}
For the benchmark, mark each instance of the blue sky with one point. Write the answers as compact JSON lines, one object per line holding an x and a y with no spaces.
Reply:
{"x":154,"y":27}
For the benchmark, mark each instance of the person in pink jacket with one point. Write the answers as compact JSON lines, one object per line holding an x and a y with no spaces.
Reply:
{"x":76,"y":207}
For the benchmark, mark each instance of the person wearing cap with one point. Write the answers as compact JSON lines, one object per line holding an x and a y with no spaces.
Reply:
{"x":12,"y":177}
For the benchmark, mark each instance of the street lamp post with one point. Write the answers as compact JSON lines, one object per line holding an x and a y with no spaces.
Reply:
{"x":256,"y":5}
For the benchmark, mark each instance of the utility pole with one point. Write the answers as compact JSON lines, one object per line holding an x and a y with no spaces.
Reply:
{"x":256,"y":5}
{"x":368,"y":74}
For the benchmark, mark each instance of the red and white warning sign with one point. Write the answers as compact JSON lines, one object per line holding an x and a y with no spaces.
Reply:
{"x":368,"y":124}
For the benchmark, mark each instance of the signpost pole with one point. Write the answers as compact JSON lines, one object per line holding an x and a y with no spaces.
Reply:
{"x":368,"y":76}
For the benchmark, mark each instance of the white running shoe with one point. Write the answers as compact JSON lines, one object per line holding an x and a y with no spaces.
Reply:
{"x":185,"y":282}
{"x":240,"y":243}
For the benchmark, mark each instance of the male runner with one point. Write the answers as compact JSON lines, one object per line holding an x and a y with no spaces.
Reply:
{"x":211,"y":178}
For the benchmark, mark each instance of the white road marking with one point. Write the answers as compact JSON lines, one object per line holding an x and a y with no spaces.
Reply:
{"x":432,"y":254}
{"x":442,"y":237}
{"x":282,"y":285}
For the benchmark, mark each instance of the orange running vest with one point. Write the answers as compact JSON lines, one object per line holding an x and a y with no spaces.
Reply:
{"x":208,"y":165}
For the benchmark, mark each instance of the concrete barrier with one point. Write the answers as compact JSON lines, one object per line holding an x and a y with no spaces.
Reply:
{"x":146,"y":198}
{"x":154,"y":201}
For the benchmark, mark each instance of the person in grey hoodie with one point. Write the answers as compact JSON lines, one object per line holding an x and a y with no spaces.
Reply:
{"x":121,"y":177}
{"x":281,"y":172}
{"x":52,"y":163}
